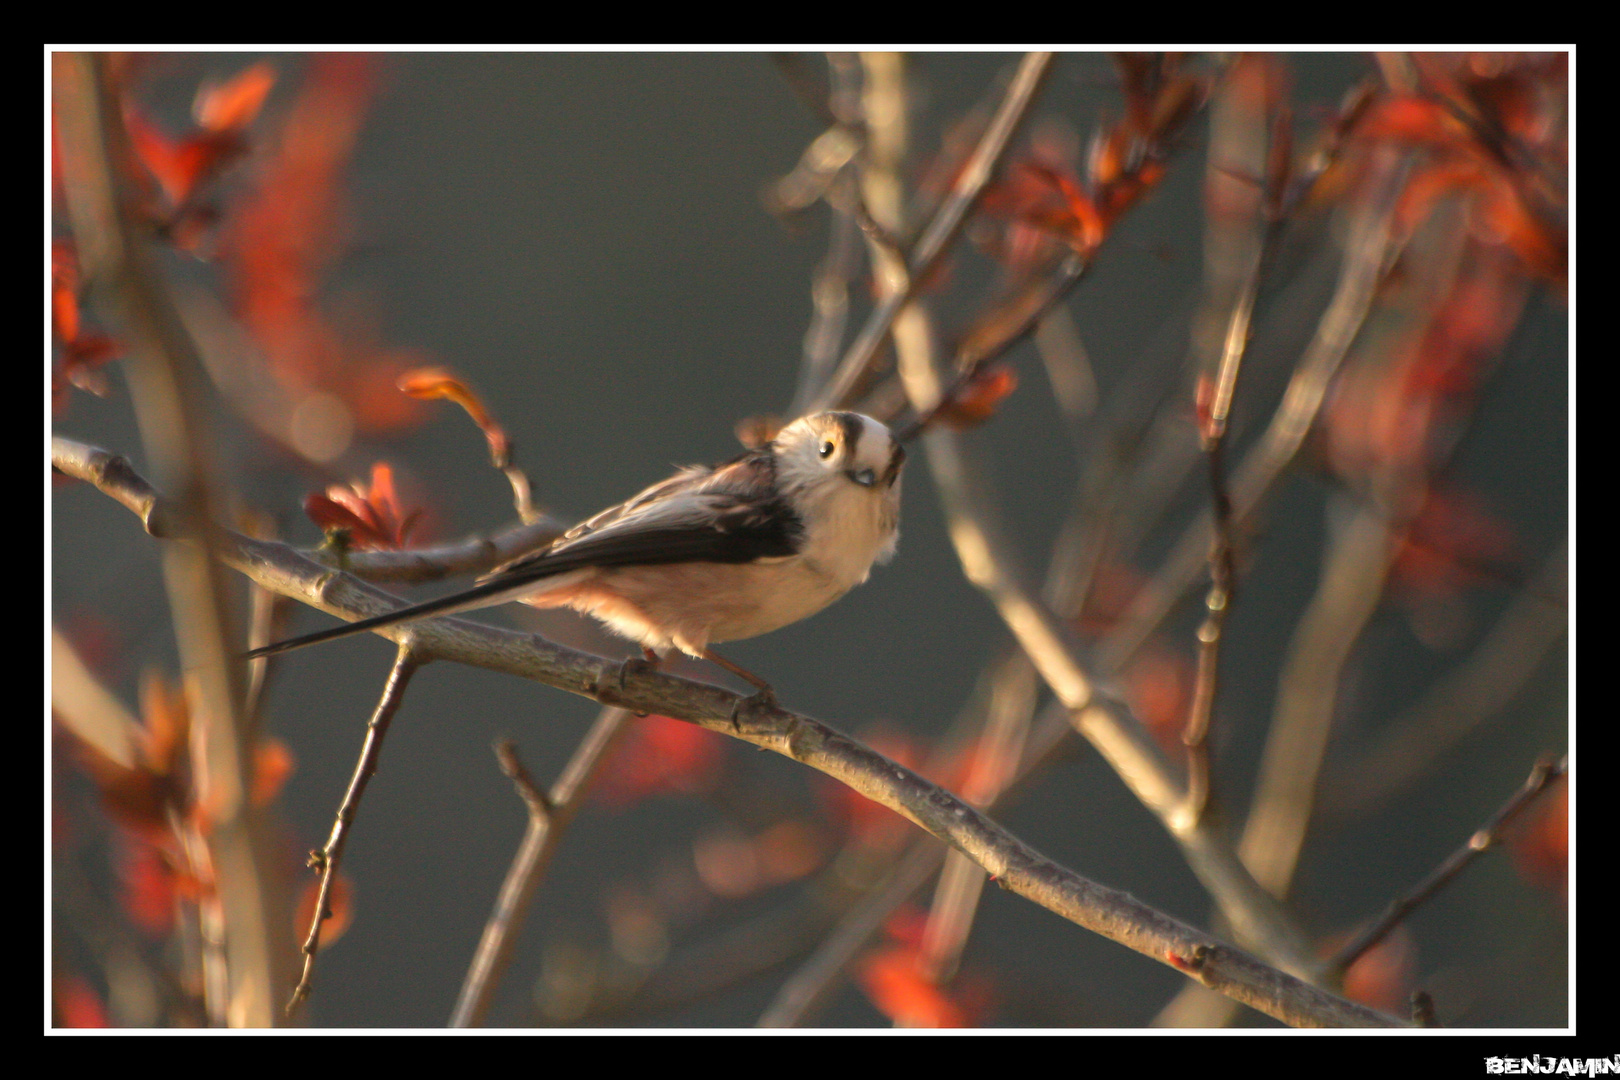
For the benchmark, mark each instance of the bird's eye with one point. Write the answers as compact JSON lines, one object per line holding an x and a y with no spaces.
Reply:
{"x":827,"y":448}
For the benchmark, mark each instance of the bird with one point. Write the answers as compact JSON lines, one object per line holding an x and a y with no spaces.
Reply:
{"x":712,"y":554}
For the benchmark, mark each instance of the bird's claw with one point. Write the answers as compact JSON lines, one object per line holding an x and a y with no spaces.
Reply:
{"x":636,"y":664}
{"x":763,"y":698}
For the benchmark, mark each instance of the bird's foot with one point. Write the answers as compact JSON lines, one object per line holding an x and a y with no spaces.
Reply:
{"x":639,"y":665}
{"x":763,"y":698}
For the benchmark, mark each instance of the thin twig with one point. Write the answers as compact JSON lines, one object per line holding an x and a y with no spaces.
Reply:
{"x":1546,"y":770}
{"x":549,"y":817}
{"x":947,"y":222}
{"x":1242,"y":138}
{"x":1013,"y":863}
{"x":325,"y":860}
{"x":1368,"y":259}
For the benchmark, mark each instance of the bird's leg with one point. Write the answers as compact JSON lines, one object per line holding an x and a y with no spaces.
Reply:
{"x":647,"y":661}
{"x":765,"y":698}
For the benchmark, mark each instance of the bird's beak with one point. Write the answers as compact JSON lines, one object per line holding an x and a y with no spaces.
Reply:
{"x":897,"y":458}
{"x":863,"y":477}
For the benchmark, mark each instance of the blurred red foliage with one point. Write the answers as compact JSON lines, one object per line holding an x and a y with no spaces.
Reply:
{"x":80,"y":352}
{"x":184,"y":167}
{"x":1540,"y":842}
{"x":282,"y":237}
{"x":660,"y":755}
{"x":979,"y":399}
{"x":894,"y":979}
{"x":1382,"y":977}
{"x":75,"y":1004}
{"x":1159,"y":686}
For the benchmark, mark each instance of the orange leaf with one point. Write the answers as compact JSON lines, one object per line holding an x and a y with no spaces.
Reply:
{"x":895,"y":984}
{"x":979,"y":399}
{"x":233,"y":104}
{"x":440,"y":382}
{"x":371,"y":514}
{"x":272,"y":765}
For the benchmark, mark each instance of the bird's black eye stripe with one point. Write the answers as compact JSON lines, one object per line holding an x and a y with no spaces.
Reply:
{"x":827,"y":448}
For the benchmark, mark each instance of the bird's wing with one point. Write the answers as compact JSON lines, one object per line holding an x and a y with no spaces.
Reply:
{"x":729,"y":514}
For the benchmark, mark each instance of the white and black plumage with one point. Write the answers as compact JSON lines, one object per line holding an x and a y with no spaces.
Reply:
{"x":711,"y":554}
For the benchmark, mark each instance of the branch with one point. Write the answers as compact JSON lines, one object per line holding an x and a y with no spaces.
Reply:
{"x":325,"y":860}
{"x":1017,"y":867}
{"x":947,"y":222}
{"x":549,"y":817}
{"x":1484,"y":838}
{"x":987,"y":562}
{"x":165,"y":378}
{"x":1368,"y":258}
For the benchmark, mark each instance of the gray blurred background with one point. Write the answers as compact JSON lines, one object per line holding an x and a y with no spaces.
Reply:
{"x":583,"y":237}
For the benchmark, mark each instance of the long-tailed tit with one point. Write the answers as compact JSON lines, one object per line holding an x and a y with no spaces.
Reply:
{"x":711,"y":554}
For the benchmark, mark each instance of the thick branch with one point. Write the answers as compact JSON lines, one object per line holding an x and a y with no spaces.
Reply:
{"x":165,"y":379}
{"x":1014,"y":864}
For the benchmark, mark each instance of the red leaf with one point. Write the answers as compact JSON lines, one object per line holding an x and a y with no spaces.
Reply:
{"x":372,"y":514}
{"x":75,"y":1004}
{"x":894,"y":982}
{"x":979,"y":399}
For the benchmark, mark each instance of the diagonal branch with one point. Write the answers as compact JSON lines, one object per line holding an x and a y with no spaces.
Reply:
{"x":325,"y":859}
{"x":946,"y":223}
{"x":1483,"y":839}
{"x":549,"y":816}
{"x":1017,"y":867}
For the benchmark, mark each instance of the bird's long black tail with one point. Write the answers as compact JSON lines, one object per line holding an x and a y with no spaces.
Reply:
{"x":478,"y":596}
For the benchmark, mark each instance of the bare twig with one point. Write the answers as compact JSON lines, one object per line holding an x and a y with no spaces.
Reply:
{"x":1237,"y":243}
{"x":987,"y":563}
{"x":1367,"y":260}
{"x":472,"y":555}
{"x":1014,"y":864}
{"x":1546,"y":770}
{"x":549,"y":817}
{"x":325,"y":860}
{"x":946,"y":223}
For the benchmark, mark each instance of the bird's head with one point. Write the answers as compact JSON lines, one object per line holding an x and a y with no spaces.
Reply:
{"x":840,"y":447}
